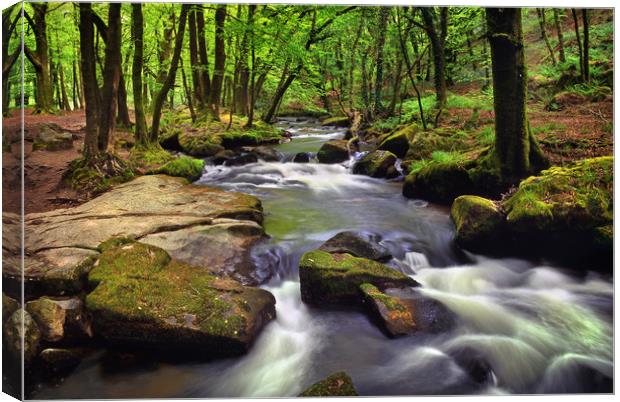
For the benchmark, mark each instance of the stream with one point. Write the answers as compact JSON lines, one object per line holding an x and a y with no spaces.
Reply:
{"x":521,"y":326}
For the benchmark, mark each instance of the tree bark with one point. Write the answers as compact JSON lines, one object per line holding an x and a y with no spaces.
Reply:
{"x":8,"y":60}
{"x":558,"y":29}
{"x":158,"y":102}
{"x":89,"y":72}
{"x":220,"y":61}
{"x":579,"y":47}
{"x":384,"y":13}
{"x":515,"y":148}
{"x":252,"y":83}
{"x":542,"y":22}
{"x":193,"y":59}
{"x":586,"y":45}
{"x":40,"y":58}
{"x":137,"y":34}
{"x":202,"y":54}
{"x":438,"y":50}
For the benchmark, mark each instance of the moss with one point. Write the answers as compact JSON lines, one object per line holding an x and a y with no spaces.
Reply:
{"x":260,"y":133}
{"x":391,"y":303}
{"x":200,"y":144}
{"x":337,"y":384}
{"x":93,"y":177}
{"x":183,"y":166}
{"x":140,"y":292}
{"x":398,"y":142}
{"x":424,"y":143}
{"x":335,"y":278}
{"x":375,"y":164}
{"x":576,"y":198}
{"x":337,"y":121}
{"x":437,"y":181}
{"x":478,"y":222}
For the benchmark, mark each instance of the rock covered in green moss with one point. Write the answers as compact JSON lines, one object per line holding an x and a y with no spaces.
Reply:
{"x":183,"y":166}
{"x":200,"y":144}
{"x":20,"y":327}
{"x":60,"y":318}
{"x":337,"y":121}
{"x":478,"y":221}
{"x":438,"y":182}
{"x":375,"y":164}
{"x":398,"y":142}
{"x":424,"y":143}
{"x":9,"y":305}
{"x":358,"y":244}
{"x":334,"y":279}
{"x":144,"y":298}
{"x":260,"y":133}
{"x":337,"y":384}
{"x":334,"y":151}
{"x":564,"y":213}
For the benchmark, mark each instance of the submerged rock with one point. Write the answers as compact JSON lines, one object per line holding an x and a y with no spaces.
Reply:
{"x":337,"y":384}
{"x":60,"y":319}
{"x":146,"y":299}
{"x":60,"y":360}
{"x":334,"y":279}
{"x":266,"y":153}
{"x":61,"y":245}
{"x":375,"y":164}
{"x":358,"y":244}
{"x":335,"y":151}
{"x":239,"y":160}
{"x":302,"y":157}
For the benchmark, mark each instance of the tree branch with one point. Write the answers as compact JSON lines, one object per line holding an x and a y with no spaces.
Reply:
{"x":33,"y":58}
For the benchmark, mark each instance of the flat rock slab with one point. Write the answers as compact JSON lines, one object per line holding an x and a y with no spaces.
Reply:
{"x":61,"y":245}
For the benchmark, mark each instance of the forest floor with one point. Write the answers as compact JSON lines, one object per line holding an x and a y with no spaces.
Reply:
{"x":577,"y":132}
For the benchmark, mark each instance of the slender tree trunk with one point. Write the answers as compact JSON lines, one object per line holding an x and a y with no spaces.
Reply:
{"x":188,"y":93}
{"x":111,"y":77}
{"x":202,"y":54}
{"x":220,"y":61}
{"x":137,"y":34}
{"x":515,"y":149}
{"x":579,"y":47}
{"x":123,"y":110}
{"x":39,"y":58}
{"x":384,"y":13}
{"x":586,"y":45}
{"x":193,"y":59}
{"x":158,"y":102}
{"x":558,"y":29}
{"x":89,"y":72}
{"x":542,"y":22}
{"x":438,"y":56}
{"x":251,"y":100}
{"x":243,"y":76}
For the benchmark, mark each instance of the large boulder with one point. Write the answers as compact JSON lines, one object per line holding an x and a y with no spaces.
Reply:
{"x":478,"y":221}
{"x":358,"y":244}
{"x":337,"y":121}
{"x":199,"y":144}
{"x":9,"y":305}
{"x":398,"y":142}
{"x":20,"y":329}
{"x":334,"y":279}
{"x":376,"y":164}
{"x":337,"y":384}
{"x":61,"y":245}
{"x":146,"y":299}
{"x":52,"y":137}
{"x":335,"y":151}
{"x":60,"y":319}
{"x":405,"y":311}
{"x":438,"y":182}
{"x":564,"y":213}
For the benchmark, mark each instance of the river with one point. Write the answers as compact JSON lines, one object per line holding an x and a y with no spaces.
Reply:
{"x":522,"y":326}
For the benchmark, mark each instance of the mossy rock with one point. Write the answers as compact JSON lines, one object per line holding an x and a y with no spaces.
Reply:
{"x":334,"y":279}
{"x":145,"y":299}
{"x":337,"y":121}
{"x":395,"y":317}
{"x":375,"y":164}
{"x":398,"y":142}
{"x":424,"y":143}
{"x":337,"y":384}
{"x":260,"y":133}
{"x":20,"y":329}
{"x":438,"y":182}
{"x":335,"y":151}
{"x":60,"y":318}
{"x":184,"y":166}
{"x":479,"y":223}
{"x":358,"y":244}
{"x":200,"y":144}
{"x":9,"y":305}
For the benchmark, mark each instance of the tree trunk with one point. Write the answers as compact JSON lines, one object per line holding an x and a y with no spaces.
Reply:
{"x":158,"y":102}
{"x":515,"y":149}
{"x":437,"y":46}
{"x":137,"y":34}
{"x":202,"y":54}
{"x":558,"y":29}
{"x":220,"y":61}
{"x":39,"y":58}
{"x":384,"y":13}
{"x":579,"y":48}
{"x":542,"y":22}
{"x":89,"y":72}
{"x":123,"y":110}
{"x":111,"y":77}
{"x":252,"y":83}
{"x":586,"y":45}
{"x":193,"y":59}
{"x":188,"y":93}
{"x":243,"y":73}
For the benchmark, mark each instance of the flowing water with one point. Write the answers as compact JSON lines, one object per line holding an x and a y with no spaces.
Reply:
{"x":522,"y":327}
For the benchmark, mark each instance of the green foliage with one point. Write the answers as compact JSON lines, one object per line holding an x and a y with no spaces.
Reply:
{"x":183,"y":166}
